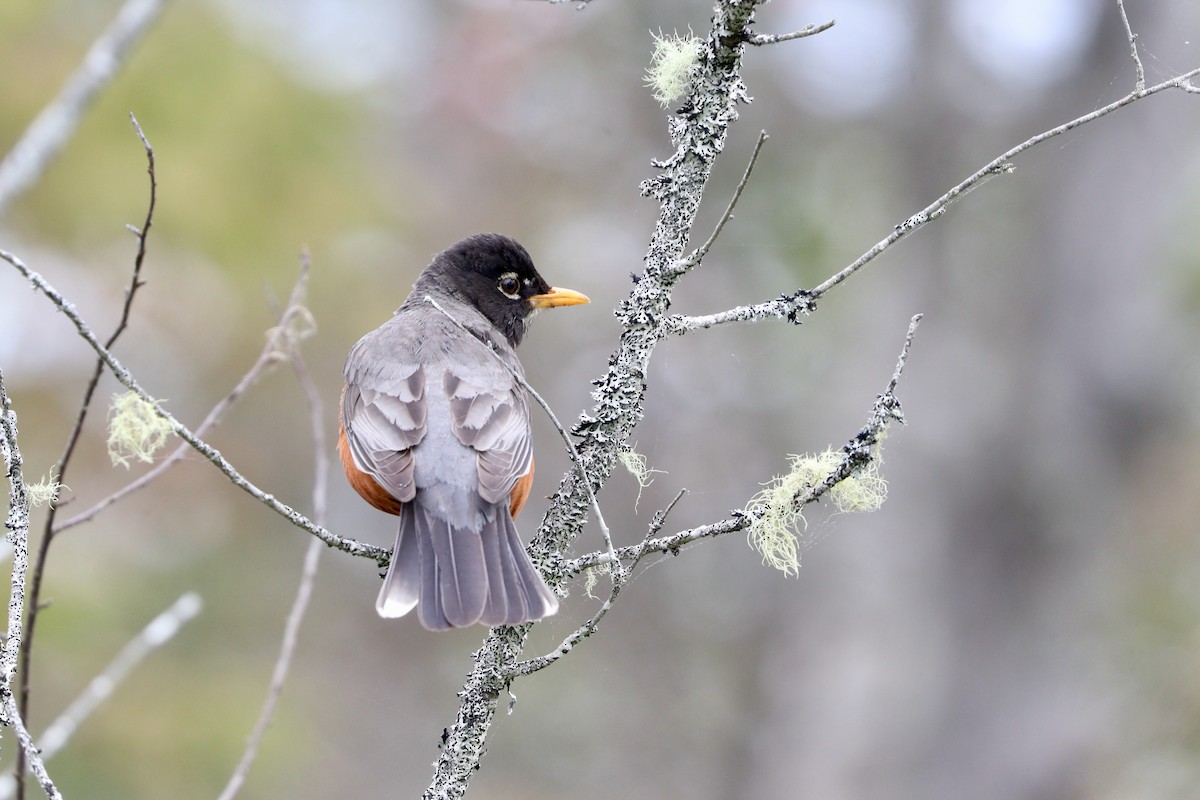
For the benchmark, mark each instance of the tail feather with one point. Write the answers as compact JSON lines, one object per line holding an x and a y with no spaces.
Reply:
{"x":402,"y":587}
{"x":498,"y":604}
{"x":462,"y":579}
{"x":457,"y":577}
{"x":539,"y":600}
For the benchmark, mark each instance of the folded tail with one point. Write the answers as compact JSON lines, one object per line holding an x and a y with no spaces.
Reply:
{"x":457,"y":577}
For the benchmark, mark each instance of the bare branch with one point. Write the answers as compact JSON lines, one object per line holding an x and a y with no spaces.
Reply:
{"x":271,"y":354}
{"x":1139,"y":70}
{"x":856,"y":454}
{"x":308,"y":575}
{"x":794,"y":306}
{"x":29,"y":748}
{"x":158,"y":632}
{"x":54,"y":126}
{"x":760,"y":39}
{"x":64,"y":460}
{"x":347,"y":545}
{"x":698,"y":134}
{"x":619,"y":578}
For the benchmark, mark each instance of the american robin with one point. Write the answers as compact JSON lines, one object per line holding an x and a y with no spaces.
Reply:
{"x":435,"y":429}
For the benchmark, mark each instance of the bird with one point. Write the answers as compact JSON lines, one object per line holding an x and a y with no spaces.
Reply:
{"x":435,"y":428}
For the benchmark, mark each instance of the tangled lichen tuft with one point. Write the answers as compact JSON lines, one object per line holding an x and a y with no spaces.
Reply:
{"x":671,"y":66}
{"x":637,"y":466}
{"x":778,"y":510}
{"x":45,"y":492}
{"x":135,"y":430}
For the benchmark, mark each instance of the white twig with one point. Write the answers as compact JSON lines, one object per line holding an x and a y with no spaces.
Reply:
{"x":54,"y":126}
{"x":855,"y":454}
{"x":549,"y":413}
{"x":16,"y":535}
{"x":760,"y":39}
{"x":1139,"y":70}
{"x":619,"y":579}
{"x":17,"y":527}
{"x":36,"y":765}
{"x":347,"y":545}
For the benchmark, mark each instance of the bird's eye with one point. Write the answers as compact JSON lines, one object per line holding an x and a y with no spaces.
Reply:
{"x":509,"y":286}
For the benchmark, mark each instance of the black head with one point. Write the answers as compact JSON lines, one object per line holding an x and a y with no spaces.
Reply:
{"x":495,"y":274}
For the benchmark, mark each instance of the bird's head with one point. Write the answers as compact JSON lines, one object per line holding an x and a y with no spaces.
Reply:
{"x":495,"y":274}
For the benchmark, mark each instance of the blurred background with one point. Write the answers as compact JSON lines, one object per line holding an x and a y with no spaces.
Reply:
{"x":1021,"y":619}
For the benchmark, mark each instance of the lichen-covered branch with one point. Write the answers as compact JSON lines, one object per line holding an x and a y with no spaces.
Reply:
{"x":793,"y":307}
{"x":698,"y":131}
{"x":855,"y":455}
{"x":16,"y":526}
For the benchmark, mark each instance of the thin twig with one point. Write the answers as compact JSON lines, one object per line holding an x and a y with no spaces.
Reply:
{"x":58,"y":121}
{"x":270,"y":355}
{"x":855,"y":455}
{"x":619,"y":579}
{"x":760,"y":39}
{"x":799,"y":304}
{"x":347,"y":545}
{"x":549,"y":412}
{"x":1139,"y":70}
{"x":699,"y":253}
{"x":308,"y":574}
{"x":64,"y":461}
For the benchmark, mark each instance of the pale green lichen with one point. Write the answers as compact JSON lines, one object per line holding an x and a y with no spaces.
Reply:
{"x":779,"y":517}
{"x":671,"y":66}
{"x":45,"y":491}
{"x":636,"y":464}
{"x":135,"y":430}
{"x":591,"y":576}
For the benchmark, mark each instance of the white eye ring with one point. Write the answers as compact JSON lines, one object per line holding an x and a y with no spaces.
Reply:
{"x":509,"y":286}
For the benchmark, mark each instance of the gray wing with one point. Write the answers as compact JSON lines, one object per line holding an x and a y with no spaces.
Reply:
{"x":383,"y":413}
{"x":489,"y":414}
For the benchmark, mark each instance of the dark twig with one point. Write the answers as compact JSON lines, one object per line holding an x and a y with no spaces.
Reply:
{"x":64,"y":461}
{"x":294,"y":312}
{"x":699,"y":253}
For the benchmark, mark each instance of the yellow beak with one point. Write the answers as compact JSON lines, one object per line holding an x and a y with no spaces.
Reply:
{"x":558,"y":297}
